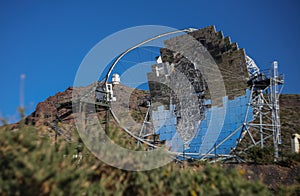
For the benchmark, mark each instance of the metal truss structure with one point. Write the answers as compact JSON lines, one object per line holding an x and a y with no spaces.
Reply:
{"x":264,"y":103}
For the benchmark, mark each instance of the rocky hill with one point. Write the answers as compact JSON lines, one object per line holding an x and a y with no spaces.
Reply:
{"x":289,"y":117}
{"x":55,"y":116}
{"x":52,"y":112}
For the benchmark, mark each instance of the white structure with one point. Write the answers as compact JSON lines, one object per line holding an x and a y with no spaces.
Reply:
{"x":110,"y":93}
{"x":295,"y":143}
{"x":253,"y":70}
{"x":116,"y":79}
{"x":158,"y":60}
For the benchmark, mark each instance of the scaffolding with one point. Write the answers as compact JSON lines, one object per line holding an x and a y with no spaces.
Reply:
{"x":264,"y":101}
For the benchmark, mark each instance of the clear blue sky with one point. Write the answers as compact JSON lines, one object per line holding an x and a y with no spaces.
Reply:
{"x":47,"y":40}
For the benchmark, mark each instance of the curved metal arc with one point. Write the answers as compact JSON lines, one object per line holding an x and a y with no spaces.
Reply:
{"x":118,"y":59}
{"x":140,"y":44}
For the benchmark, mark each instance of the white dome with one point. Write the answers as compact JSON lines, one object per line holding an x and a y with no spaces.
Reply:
{"x":116,"y":79}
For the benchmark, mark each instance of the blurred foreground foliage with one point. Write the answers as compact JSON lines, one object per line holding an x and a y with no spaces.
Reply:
{"x":35,"y":165}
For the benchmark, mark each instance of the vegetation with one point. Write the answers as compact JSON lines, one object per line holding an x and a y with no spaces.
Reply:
{"x":33,"y":165}
{"x":261,"y":155}
{"x":291,"y":159}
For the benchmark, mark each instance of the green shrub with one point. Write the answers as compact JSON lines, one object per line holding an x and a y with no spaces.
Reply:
{"x":261,"y":155}
{"x":31,"y":165}
{"x":290,"y":159}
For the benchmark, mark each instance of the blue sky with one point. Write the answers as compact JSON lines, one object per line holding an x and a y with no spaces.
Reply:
{"x":47,"y":40}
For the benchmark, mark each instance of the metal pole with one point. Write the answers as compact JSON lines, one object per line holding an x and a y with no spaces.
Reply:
{"x":107,"y":121}
{"x":275,"y":108}
{"x":260,"y":105}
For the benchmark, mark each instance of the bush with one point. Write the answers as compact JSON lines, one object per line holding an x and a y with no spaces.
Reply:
{"x":291,"y":159}
{"x":261,"y":155}
{"x":31,"y":165}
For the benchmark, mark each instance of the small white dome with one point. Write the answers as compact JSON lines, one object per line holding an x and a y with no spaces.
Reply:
{"x":116,"y":79}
